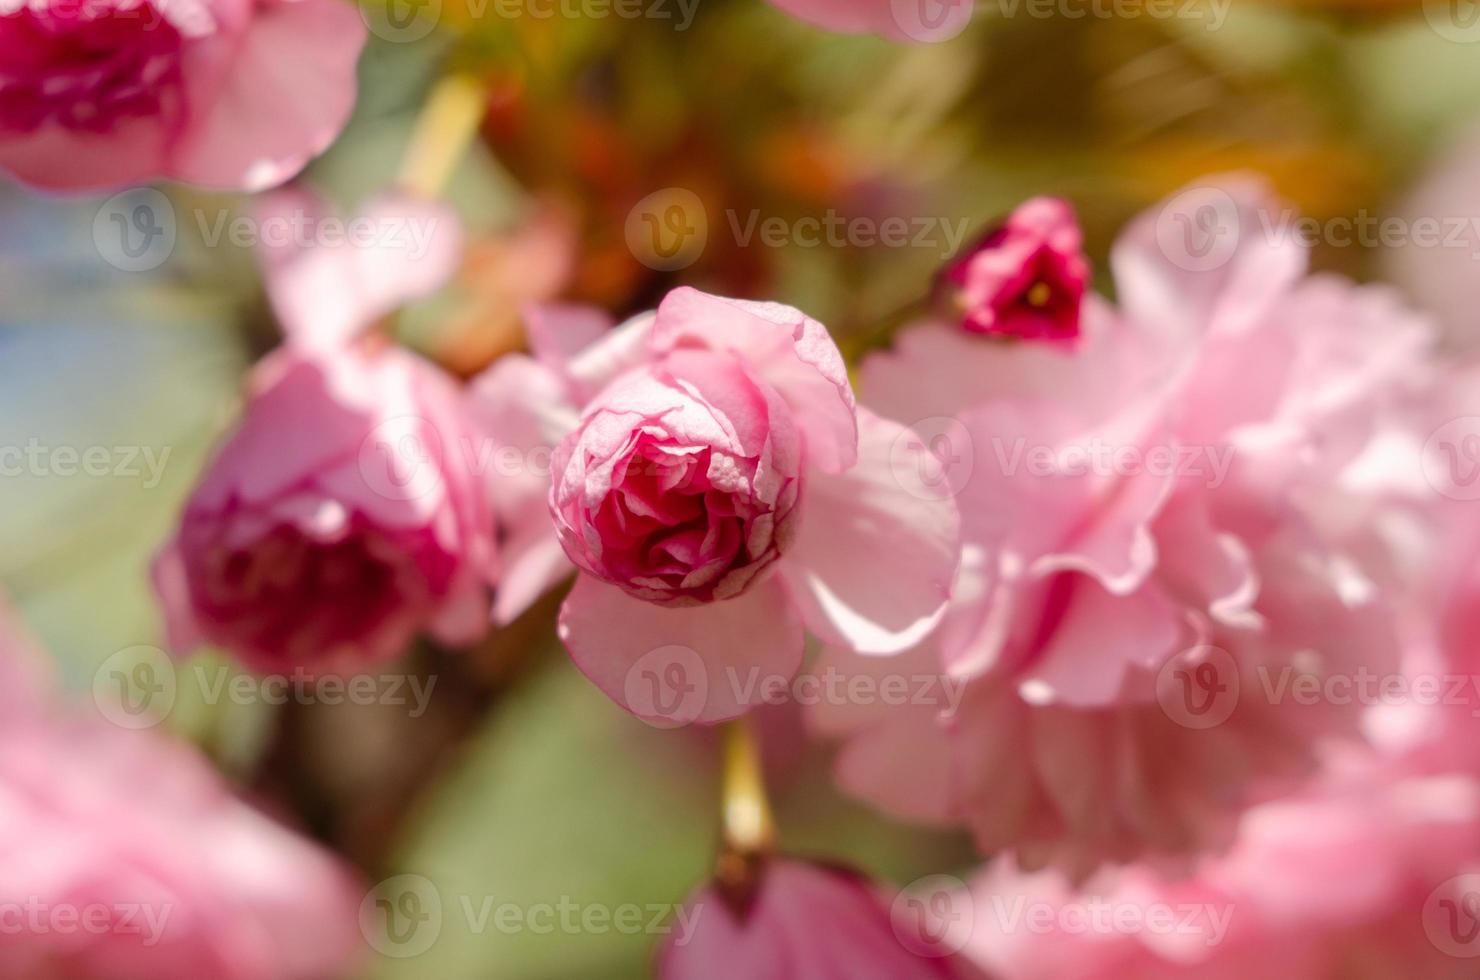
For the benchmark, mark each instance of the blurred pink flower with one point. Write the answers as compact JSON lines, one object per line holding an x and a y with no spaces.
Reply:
{"x":1377,"y":878}
{"x":126,"y":858}
{"x":720,"y":494}
{"x":344,"y":513}
{"x":804,"y":922}
{"x":1145,"y":570}
{"x":233,"y":94}
{"x":899,"y":20}
{"x":1025,"y":279}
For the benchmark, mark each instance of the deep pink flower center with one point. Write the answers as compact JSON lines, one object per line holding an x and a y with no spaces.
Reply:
{"x":1043,"y":302}
{"x":664,"y":526}
{"x":86,"y":64}
{"x":290,"y":593}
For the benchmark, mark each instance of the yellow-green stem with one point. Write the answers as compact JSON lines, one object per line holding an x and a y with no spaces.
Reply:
{"x":445,"y":129}
{"x":749,"y":828}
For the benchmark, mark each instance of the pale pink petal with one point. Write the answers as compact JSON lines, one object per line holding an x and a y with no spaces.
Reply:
{"x":719,"y":655}
{"x":325,"y":290}
{"x":560,"y":331}
{"x":897,"y":753}
{"x":1208,"y":569}
{"x":1214,"y":257}
{"x":1043,"y":485}
{"x":876,"y":547}
{"x":521,"y":410}
{"x":1098,"y":640}
{"x":612,"y":354}
{"x":534,"y":564}
{"x":275,"y":97}
{"x":787,"y":349}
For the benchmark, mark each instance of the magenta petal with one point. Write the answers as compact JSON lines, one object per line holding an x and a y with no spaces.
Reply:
{"x":806,"y":922}
{"x":694,"y":664}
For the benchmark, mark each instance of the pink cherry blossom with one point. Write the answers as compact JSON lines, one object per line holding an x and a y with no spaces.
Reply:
{"x":1147,"y":562}
{"x":720,"y":493}
{"x":190,"y":881}
{"x":343,"y":514}
{"x":127,"y":858}
{"x":899,"y":20}
{"x":1025,"y":279}
{"x":1374,"y":877}
{"x":233,"y":94}
{"x":803,"y":922}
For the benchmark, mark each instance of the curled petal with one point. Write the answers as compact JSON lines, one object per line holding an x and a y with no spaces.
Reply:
{"x":877,"y":545}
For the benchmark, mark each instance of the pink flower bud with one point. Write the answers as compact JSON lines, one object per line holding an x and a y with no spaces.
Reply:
{"x":1025,"y":279}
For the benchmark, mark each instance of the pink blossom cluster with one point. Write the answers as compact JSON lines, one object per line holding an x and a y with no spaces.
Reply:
{"x":1159,"y":539}
{"x":1147,"y":638}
